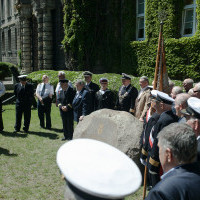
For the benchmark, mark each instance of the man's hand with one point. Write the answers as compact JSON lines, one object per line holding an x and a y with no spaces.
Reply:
{"x":64,"y":108}
{"x":81,"y":118}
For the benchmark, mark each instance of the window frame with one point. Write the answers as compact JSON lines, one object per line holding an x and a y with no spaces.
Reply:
{"x":138,"y":17}
{"x":186,"y":8}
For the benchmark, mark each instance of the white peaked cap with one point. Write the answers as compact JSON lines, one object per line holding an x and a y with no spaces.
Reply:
{"x":98,"y":169}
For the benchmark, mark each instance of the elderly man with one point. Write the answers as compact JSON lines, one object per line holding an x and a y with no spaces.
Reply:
{"x":94,"y":170}
{"x":65,"y":98}
{"x":44,"y":93}
{"x":177,"y":151}
{"x":188,"y":84}
{"x":196,"y":91}
{"x":142,"y":102}
{"x":167,"y":116}
{"x":91,"y":87}
{"x":175,"y":91}
{"x":180,"y":104}
{"x":192,"y":114}
{"x":2,"y":92}
{"x":82,"y":102}
{"x":24,"y":95}
{"x":127,"y":95}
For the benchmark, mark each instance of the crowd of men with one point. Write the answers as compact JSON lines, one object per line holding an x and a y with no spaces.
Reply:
{"x":164,"y":148}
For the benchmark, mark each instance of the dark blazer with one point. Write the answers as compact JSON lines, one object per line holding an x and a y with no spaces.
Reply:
{"x":126,"y":98}
{"x":165,"y":119}
{"x":198,"y":149}
{"x":24,"y":96}
{"x":82,"y":104}
{"x":66,"y":98}
{"x":92,"y":89}
{"x":180,"y":184}
{"x":105,"y":100}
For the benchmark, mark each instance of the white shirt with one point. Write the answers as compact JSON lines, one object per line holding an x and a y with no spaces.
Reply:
{"x":2,"y":89}
{"x":48,"y":89}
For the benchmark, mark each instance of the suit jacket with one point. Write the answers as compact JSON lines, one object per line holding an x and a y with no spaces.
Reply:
{"x":92,"y":89}
{"x":126,"y":98}
{"x":104,"y":100}
{"x":24,"y":95}
{"x":142,"y":103}
{"x":165,"y":119}
{"x":65,"y":98}
{"x":180,"y":184}
{"x":198,"y":150}
{"x":82,"y":104}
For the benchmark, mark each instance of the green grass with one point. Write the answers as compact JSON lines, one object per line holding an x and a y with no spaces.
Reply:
{"x":28,"y":169}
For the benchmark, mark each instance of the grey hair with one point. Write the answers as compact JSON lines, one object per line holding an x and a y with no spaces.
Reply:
{"x":181,"y":99}
{"x":61,"y":73}
{"x":171,"y":83}
{"x":145,"y":78}
{"x":182,"y":141}
{"x":80,"y":82}
{"x":44,"y":76}
{"x":177,"y":90}
{"x":197,"y":86}
{"x":189,"y":81}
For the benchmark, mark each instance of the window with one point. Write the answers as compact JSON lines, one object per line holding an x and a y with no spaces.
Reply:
{"x":2,"y":9}
{"x":189,"y":18}
{"x":9,"y":8}
{"x":140,"y":20}
{"x":15,"y":38}
{"x":9,"y":40}
{"x":3,"y":41}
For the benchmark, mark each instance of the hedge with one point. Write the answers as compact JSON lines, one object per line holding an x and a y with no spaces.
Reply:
{"x":7,"y":70}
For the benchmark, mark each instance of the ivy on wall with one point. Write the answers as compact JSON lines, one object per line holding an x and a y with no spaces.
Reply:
{"x":100,"y":36}
{"x":182,"y":53}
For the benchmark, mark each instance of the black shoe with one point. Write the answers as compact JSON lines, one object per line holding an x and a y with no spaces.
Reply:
{"x":25,"y":130}
{"x":41,"y":126}
{"x":49,"y":128}
{"x":16,"y":131}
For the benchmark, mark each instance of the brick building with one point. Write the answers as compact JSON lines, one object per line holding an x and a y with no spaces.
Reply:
{"x":31,"y":32}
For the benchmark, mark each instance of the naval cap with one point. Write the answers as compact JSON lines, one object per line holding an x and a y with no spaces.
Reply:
{"x":103,"y":80}
{"x":164,"y":97}
{"x":154,"y":93}
{"x":193,"y":108}
{"x":125,"y":76}
{"x":98,"y":169}
{"x":63,"y":81}
{"x":22,"y":77}
{"x":87,"y":73}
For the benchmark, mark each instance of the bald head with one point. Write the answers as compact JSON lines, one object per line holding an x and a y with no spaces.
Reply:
{"x":188,"y":84}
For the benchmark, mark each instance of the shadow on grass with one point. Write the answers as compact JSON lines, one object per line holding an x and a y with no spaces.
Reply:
{"x":51,"y":136}
{"x":6,"y":152}
{"x":57,"y":130}
{"x":11,"y":134}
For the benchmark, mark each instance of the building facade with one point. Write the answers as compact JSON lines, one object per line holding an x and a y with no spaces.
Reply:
{"x":31,"y":33}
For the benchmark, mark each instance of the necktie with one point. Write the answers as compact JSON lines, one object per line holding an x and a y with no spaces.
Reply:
{"x":43,"y":90}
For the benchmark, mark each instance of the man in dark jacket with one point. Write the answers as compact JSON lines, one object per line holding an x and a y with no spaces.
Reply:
{"x":64,"y":99}
{"x":127,"y":95}
{"x":24,"y":94}
{"x":82,"y":102}
{"x":91,"y":87}
{"x":177,"y":151}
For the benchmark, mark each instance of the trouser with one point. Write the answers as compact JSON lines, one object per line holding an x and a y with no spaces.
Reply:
{"x":68,"y":123}
{"x":44,"y":110}
{"x":1,"y":119}
{"x":26,"y":110}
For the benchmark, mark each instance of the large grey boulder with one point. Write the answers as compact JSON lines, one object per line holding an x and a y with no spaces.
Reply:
{"x":117,"y":128}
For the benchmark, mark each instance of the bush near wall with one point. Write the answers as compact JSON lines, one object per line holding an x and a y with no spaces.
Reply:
{"x":7,"y":70}
{"x":182,"y":54}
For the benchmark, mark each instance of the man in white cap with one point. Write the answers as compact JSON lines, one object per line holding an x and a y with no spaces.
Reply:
{"x":24,"y":94}
{"x":94,"y":170}
{"x":2,"y":92}
{"x":167,"y":116}
{"x":177,"y":151}
{"x":192,"y":114}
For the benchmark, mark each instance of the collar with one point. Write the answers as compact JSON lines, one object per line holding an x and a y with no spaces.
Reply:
{"x":143,"y":89}
{"x":88,"y":83}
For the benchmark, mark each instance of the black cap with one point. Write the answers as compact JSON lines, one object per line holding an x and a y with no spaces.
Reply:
{"x":63,"y":81}
{"x":87,"y":73}
{"x":125,"y":76}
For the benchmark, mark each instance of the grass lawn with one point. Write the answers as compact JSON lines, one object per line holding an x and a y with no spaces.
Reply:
{"x":28,"y":169}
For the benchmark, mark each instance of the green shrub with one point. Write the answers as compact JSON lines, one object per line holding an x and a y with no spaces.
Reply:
{"x":8,"y":69}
